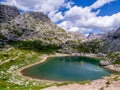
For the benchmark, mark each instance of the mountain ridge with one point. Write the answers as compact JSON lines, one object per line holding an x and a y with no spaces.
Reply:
{"x":30,"y":26}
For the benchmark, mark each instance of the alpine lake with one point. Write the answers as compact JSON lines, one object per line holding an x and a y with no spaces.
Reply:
{"x":67,"y":68}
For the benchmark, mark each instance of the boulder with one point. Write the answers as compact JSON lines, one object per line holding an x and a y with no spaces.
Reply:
{"x":104,"y":63}
{"x":101,"y":55}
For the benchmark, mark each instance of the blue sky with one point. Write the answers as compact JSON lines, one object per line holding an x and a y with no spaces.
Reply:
{"x":108,"y":9}
{"x":76,"y":15}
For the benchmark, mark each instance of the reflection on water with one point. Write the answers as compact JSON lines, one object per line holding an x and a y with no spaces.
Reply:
{"x":67,"y":69}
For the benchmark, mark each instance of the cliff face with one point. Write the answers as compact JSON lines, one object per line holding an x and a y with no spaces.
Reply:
{"x":40,"y":16}
{"x":93,"y":36}
{"x":7,"y":13}
{"x":112,"y":41}
{"x":35,"y":26}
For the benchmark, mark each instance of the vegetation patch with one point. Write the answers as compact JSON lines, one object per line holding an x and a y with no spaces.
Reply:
{"x":2,"y":37}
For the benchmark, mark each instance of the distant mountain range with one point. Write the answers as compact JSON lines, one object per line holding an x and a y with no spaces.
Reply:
{"x":111,"y":40}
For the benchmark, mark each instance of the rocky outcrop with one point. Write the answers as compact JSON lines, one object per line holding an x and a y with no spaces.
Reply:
{"x":93,"y":36}
{"x":104,"y":63}
{"x":37,"y":26}
{"x":116,"y":34}
{"x":39,"y":16}
{"x":112,"y":41}
{"x":7,"y":13}
{"x":112,"y":58}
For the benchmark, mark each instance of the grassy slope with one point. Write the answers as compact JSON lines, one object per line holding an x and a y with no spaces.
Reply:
{"x":20,"y":54}
{"x":17,"y":58}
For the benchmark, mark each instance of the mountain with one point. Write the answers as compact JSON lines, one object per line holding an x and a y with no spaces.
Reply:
{"x":93,"y":36}
{"x":112,"y":41}
{"x":7,"y":13}
{"x":33,"y":26}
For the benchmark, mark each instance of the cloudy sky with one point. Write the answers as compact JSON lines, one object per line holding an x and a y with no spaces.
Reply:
{"x":76,"y":15}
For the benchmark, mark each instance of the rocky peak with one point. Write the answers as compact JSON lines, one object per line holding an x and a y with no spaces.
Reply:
{"x":112,"y":41}
{"x":116,"y":34}
{"x":90,"y":36}
{"x":7,"y":13}
{"x":40,"y":16}
{"x":37,"y":26}
{"x":93,"y":36}
{"x":110,"y":33}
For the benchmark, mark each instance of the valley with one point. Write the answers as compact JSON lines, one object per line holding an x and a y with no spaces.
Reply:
{"x":30,"y":37}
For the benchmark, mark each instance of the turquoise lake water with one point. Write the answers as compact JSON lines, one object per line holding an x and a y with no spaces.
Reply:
{"x":68,"y":68}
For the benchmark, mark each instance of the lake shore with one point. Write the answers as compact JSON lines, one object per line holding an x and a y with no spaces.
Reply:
{"x":106,"y":83}
{"x":44,"y":58}
{"x":94,"y":85}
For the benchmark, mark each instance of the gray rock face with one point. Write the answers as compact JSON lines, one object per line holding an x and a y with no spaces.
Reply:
{"x":112,"y":41}
{"x":110,"y":34}
{"x":90,"y":36}
{"x":7,"y":13}
{"x":37,"y":26}
{"x":101,"y":55}
{"x":93,"y":36}
{"x":40,"y":16}
{"x":116,"y":34}
{"x":104,"y":63}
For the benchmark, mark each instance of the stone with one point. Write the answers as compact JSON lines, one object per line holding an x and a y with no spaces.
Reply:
{"x":7,"y":12}
{"x":104,"y":63}
{"x":93,"y":36}
{"x":112,"y":41}
{"x":36,"y":26}
{"x":101,"y":55}
{"x":116,"y":34}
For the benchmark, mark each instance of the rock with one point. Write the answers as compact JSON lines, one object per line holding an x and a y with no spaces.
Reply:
{"x":7,"y":13}
{"x":109,"y":34}
{"x":75,"y":54}
{"x":112,"y":42}
{"x":104,"y":63}
{"x":93,"y":36}
{"x":114,"y":67}
{"x":40,"y":16}
{"x":90,"y":36}
{"x":101,"y":55}
{"x":118,"y":57}
{"x":116,"y":34}
{"x":37,"y":26}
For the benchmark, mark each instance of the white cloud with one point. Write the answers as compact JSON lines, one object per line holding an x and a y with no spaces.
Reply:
{"x":74,"y":29}
{"x":78,"y":13}
{"x":100,"y":3}
{"x":69,"y":4}
{"x":84,"y":20}
{"x":81,"y":30}
{"x":36,"y":5}
{"x":64,"y":25}
{"x":76,"y":18}
{"x":55,"y":16}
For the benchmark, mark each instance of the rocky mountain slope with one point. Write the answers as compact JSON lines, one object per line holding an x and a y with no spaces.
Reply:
{"x":33,"y":26}
{"x":93,"y":36}
{"x":8,"y":13}
{"x":112,"y":41}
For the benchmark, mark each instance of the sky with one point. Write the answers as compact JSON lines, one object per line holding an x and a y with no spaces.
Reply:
{"x":83,"y":16}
